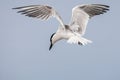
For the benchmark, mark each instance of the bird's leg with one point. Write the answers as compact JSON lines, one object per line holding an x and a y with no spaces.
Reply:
{"x":80,"y":43}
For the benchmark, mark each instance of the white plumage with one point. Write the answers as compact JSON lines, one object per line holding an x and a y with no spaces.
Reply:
{"x":74,"y":31}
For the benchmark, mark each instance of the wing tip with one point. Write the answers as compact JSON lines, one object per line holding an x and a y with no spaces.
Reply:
{"x":15,"y":8}
{"x":102,"y":5}
{"x":18,"y":7}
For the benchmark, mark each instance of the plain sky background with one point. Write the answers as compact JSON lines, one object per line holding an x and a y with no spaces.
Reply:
{"x":24,"y":44}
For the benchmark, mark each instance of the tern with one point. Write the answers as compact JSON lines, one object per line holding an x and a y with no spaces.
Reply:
{"x":74,"y":31}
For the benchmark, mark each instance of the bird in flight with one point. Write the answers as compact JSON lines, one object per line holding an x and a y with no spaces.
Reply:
{"x":74,"y":31}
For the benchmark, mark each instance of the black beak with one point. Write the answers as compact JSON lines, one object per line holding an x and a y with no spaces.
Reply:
{"x":51,"y":45}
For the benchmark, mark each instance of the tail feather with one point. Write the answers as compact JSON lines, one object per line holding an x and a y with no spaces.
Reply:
{"x":78,"y":40}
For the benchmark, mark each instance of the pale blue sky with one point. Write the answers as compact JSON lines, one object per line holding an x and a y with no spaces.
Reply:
{"x":24,"y":44}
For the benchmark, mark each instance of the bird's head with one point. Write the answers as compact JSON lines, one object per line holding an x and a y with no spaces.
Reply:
{"x":51,"y":41}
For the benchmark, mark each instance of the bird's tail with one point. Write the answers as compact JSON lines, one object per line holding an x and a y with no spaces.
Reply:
{"x":78,"y":40}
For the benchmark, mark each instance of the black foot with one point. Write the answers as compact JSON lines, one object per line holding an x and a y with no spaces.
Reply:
{"x":80,"y":43}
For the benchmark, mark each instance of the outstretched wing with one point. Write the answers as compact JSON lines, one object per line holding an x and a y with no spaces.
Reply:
{"x":43,"y":12}
{"x":82,"y":13}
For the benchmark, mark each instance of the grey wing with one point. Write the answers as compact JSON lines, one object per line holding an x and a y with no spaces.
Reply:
{"x":82,"y":13}
{"x":43,"y":12}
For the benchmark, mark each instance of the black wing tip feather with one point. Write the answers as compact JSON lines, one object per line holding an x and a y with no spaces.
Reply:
{"x":19,"y":7}
{"x":102,"y":5}
{"x":105,"y":7}
{"x":25,"y":6}
{"x":96,"y":9}
{"x":15,"y":8}
{"x":49,"y":7}
{"x":34,"y":11}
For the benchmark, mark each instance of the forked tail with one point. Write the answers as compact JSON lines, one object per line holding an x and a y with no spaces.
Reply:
{"x":78,"y":40}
